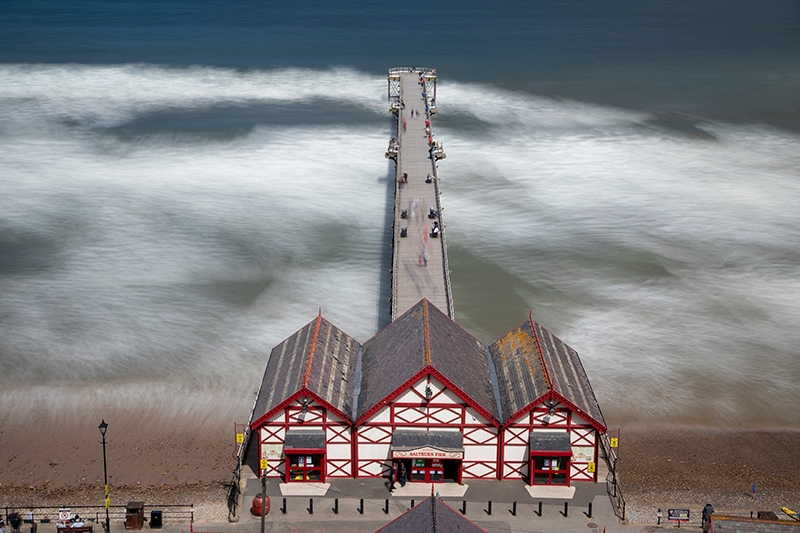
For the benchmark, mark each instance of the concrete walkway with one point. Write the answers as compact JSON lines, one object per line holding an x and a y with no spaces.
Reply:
{"x":375,"y":494}
{"x":418,"y":269}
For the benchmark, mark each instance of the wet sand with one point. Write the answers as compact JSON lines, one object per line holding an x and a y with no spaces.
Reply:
{"x":185,"y":463}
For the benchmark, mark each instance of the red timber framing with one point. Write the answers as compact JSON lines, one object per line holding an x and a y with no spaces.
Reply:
{"x":583,"y":432}
{"x":294,"y":413}
{"x":438,"y":412}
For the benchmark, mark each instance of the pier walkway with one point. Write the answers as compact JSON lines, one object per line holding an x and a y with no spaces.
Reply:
{"x":419,"y":262}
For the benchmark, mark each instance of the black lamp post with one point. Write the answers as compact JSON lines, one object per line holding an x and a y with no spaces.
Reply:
{"x":103,"y":427}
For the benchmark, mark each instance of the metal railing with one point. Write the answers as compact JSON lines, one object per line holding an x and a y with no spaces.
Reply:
{"x":445,"y":262}
{"x":95,"y":514}
{"x":612,"y":481}
{"x":426,"y":70}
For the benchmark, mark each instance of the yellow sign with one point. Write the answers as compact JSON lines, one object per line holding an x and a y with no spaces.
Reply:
{"x":614,"y":442}
{"x":590,"y":468}
{"x":239,"y":438}
{"x":264,"y":464}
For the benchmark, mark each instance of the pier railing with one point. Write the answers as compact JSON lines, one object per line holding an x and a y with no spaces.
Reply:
{"x":400,"y":70}
{"x":445,"y":261}
{"x":612,"y":481}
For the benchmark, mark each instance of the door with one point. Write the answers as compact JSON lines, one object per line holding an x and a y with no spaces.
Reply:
{"x":305,"y":467}
{"x":433,"y":470}
{"x":549,"y":470}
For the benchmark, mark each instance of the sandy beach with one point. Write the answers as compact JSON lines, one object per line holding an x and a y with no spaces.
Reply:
{"x":187,"y":464}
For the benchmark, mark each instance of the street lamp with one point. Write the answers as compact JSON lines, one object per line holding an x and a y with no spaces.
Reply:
{"x":103,"y":427}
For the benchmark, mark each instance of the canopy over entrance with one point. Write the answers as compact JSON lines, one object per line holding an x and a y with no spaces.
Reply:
{"x":550,"y":443}
{"x":427,"y":444}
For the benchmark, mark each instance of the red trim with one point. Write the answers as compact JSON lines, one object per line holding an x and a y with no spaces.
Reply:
{"x":541,"y":352}
{"x":427,"y":333}
{"x":288,"y":401}
{"x":551,"y":453}
{"x":311,"y":351}
{"x":553,"y":395}
{"x":414,"y":379}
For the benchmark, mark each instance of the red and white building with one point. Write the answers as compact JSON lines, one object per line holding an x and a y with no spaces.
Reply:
{"x":552,"y":421}
{"x":302,"y":416}
{"x":426,"y":399}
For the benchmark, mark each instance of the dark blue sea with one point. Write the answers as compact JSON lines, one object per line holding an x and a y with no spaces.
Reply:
{"x":185,"y":184}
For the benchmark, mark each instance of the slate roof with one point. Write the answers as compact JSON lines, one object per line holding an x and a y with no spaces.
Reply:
{"x":542,"y":441}
{"x":729,"y":524}
{"x":431,"y":515}
{"x":530,"y":362}
{"x":319,"y":357}
{"x":424,"y":336}
{"x":304,"y":439}
{"x":443,"y":440}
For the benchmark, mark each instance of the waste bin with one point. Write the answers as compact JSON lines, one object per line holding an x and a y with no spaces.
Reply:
{"x":257,"y":508}
{"x":134,"y":515}
{"x":156,"y":519}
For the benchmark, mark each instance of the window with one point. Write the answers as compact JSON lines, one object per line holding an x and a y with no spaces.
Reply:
{"x":549,"y":470}
{"x":305,"y":467}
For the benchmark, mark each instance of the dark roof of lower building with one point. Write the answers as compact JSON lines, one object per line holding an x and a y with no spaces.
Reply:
{"x":320,"y":358}
{"x":545,"y":441}
{"x":424,"y":336}
{"x":443,"y":440}
{"x":530,"y":362}
{"x":304,"y":439}
{"x":431,"y":515}
{"x":730,"y":524}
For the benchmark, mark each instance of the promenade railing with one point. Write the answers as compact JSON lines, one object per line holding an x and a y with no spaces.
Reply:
{"x":612,"y":481}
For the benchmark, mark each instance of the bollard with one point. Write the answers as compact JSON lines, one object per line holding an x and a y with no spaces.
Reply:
{"x":361,"y":506}
{"x":489,"y":510}
{"x":589,"y":514}
{"x":412,"y":504}
{"x":540,"y":509}
{"x":566,"y":509}
{"x":386,"y":506}
{"x":463,"y":507}
{"x":283,"y":509}
{"x":514,"y":509}
{"x":336,"y":506}
{"x":311,"y":506}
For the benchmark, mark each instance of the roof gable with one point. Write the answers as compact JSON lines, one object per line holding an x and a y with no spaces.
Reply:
{"x":531,"y":362}
{"x":424,"y":337}
{"x":320,"y":358}
{"x":431,"y":515}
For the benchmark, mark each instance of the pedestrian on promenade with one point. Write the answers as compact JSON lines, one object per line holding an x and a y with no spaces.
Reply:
{"x":403,"y":473}
{"x":15,"y":520}
{"x":708,"y":510}
{"x":392,"y":473}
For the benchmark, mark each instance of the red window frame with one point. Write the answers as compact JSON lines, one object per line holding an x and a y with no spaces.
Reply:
{"x":291,"y":472}
{"x":535,"y":473}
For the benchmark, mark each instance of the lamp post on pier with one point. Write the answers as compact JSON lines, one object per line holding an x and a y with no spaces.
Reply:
{"x":103,"y":427}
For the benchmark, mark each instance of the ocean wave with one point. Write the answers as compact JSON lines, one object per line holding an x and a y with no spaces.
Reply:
{"x":667,"y":259}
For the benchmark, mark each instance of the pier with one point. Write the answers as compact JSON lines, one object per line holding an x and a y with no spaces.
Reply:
{"x":419,"y":258}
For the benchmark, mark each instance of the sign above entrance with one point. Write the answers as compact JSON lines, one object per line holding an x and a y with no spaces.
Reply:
{"x":426,"y":453}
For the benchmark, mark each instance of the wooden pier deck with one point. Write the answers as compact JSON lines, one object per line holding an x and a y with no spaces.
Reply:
{"x":419,"y":263}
